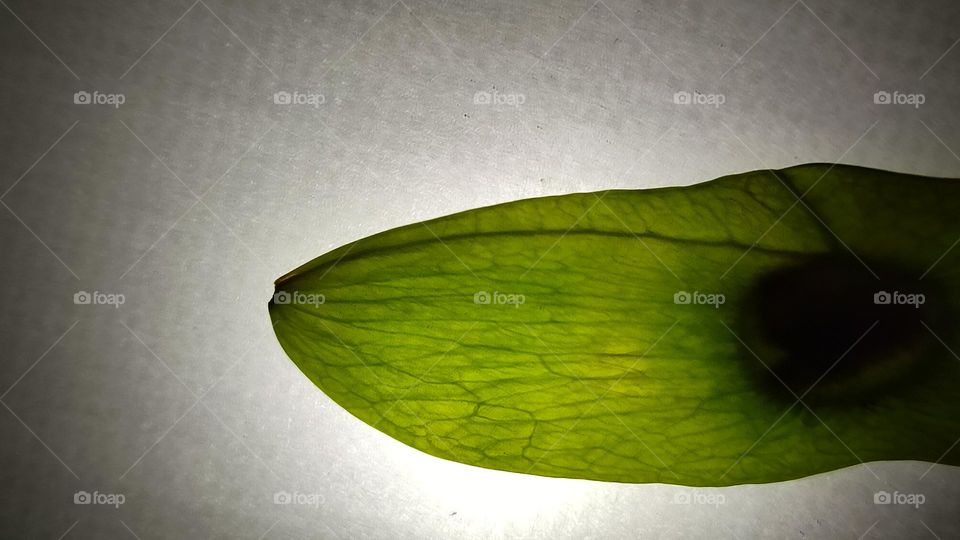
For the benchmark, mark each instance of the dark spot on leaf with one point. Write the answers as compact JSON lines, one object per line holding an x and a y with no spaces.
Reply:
{"x":828,"y":331}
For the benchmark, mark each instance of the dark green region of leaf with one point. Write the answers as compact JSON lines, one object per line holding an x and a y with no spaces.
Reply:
{"x":756,"y":328}
{"x":826,"y":338}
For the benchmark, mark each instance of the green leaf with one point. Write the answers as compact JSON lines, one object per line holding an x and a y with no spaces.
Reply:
{"x":551,"y":336}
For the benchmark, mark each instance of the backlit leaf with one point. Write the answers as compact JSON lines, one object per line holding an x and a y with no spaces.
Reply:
{"x":724,"y":333}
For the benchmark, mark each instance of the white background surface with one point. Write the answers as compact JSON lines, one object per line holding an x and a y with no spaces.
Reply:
{"x":197,"y":192}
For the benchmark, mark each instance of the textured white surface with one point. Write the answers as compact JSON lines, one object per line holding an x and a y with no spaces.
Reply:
{"x":182,"y":400}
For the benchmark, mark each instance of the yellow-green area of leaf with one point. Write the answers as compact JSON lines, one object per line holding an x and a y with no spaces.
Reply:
{"x":756,"y":328}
